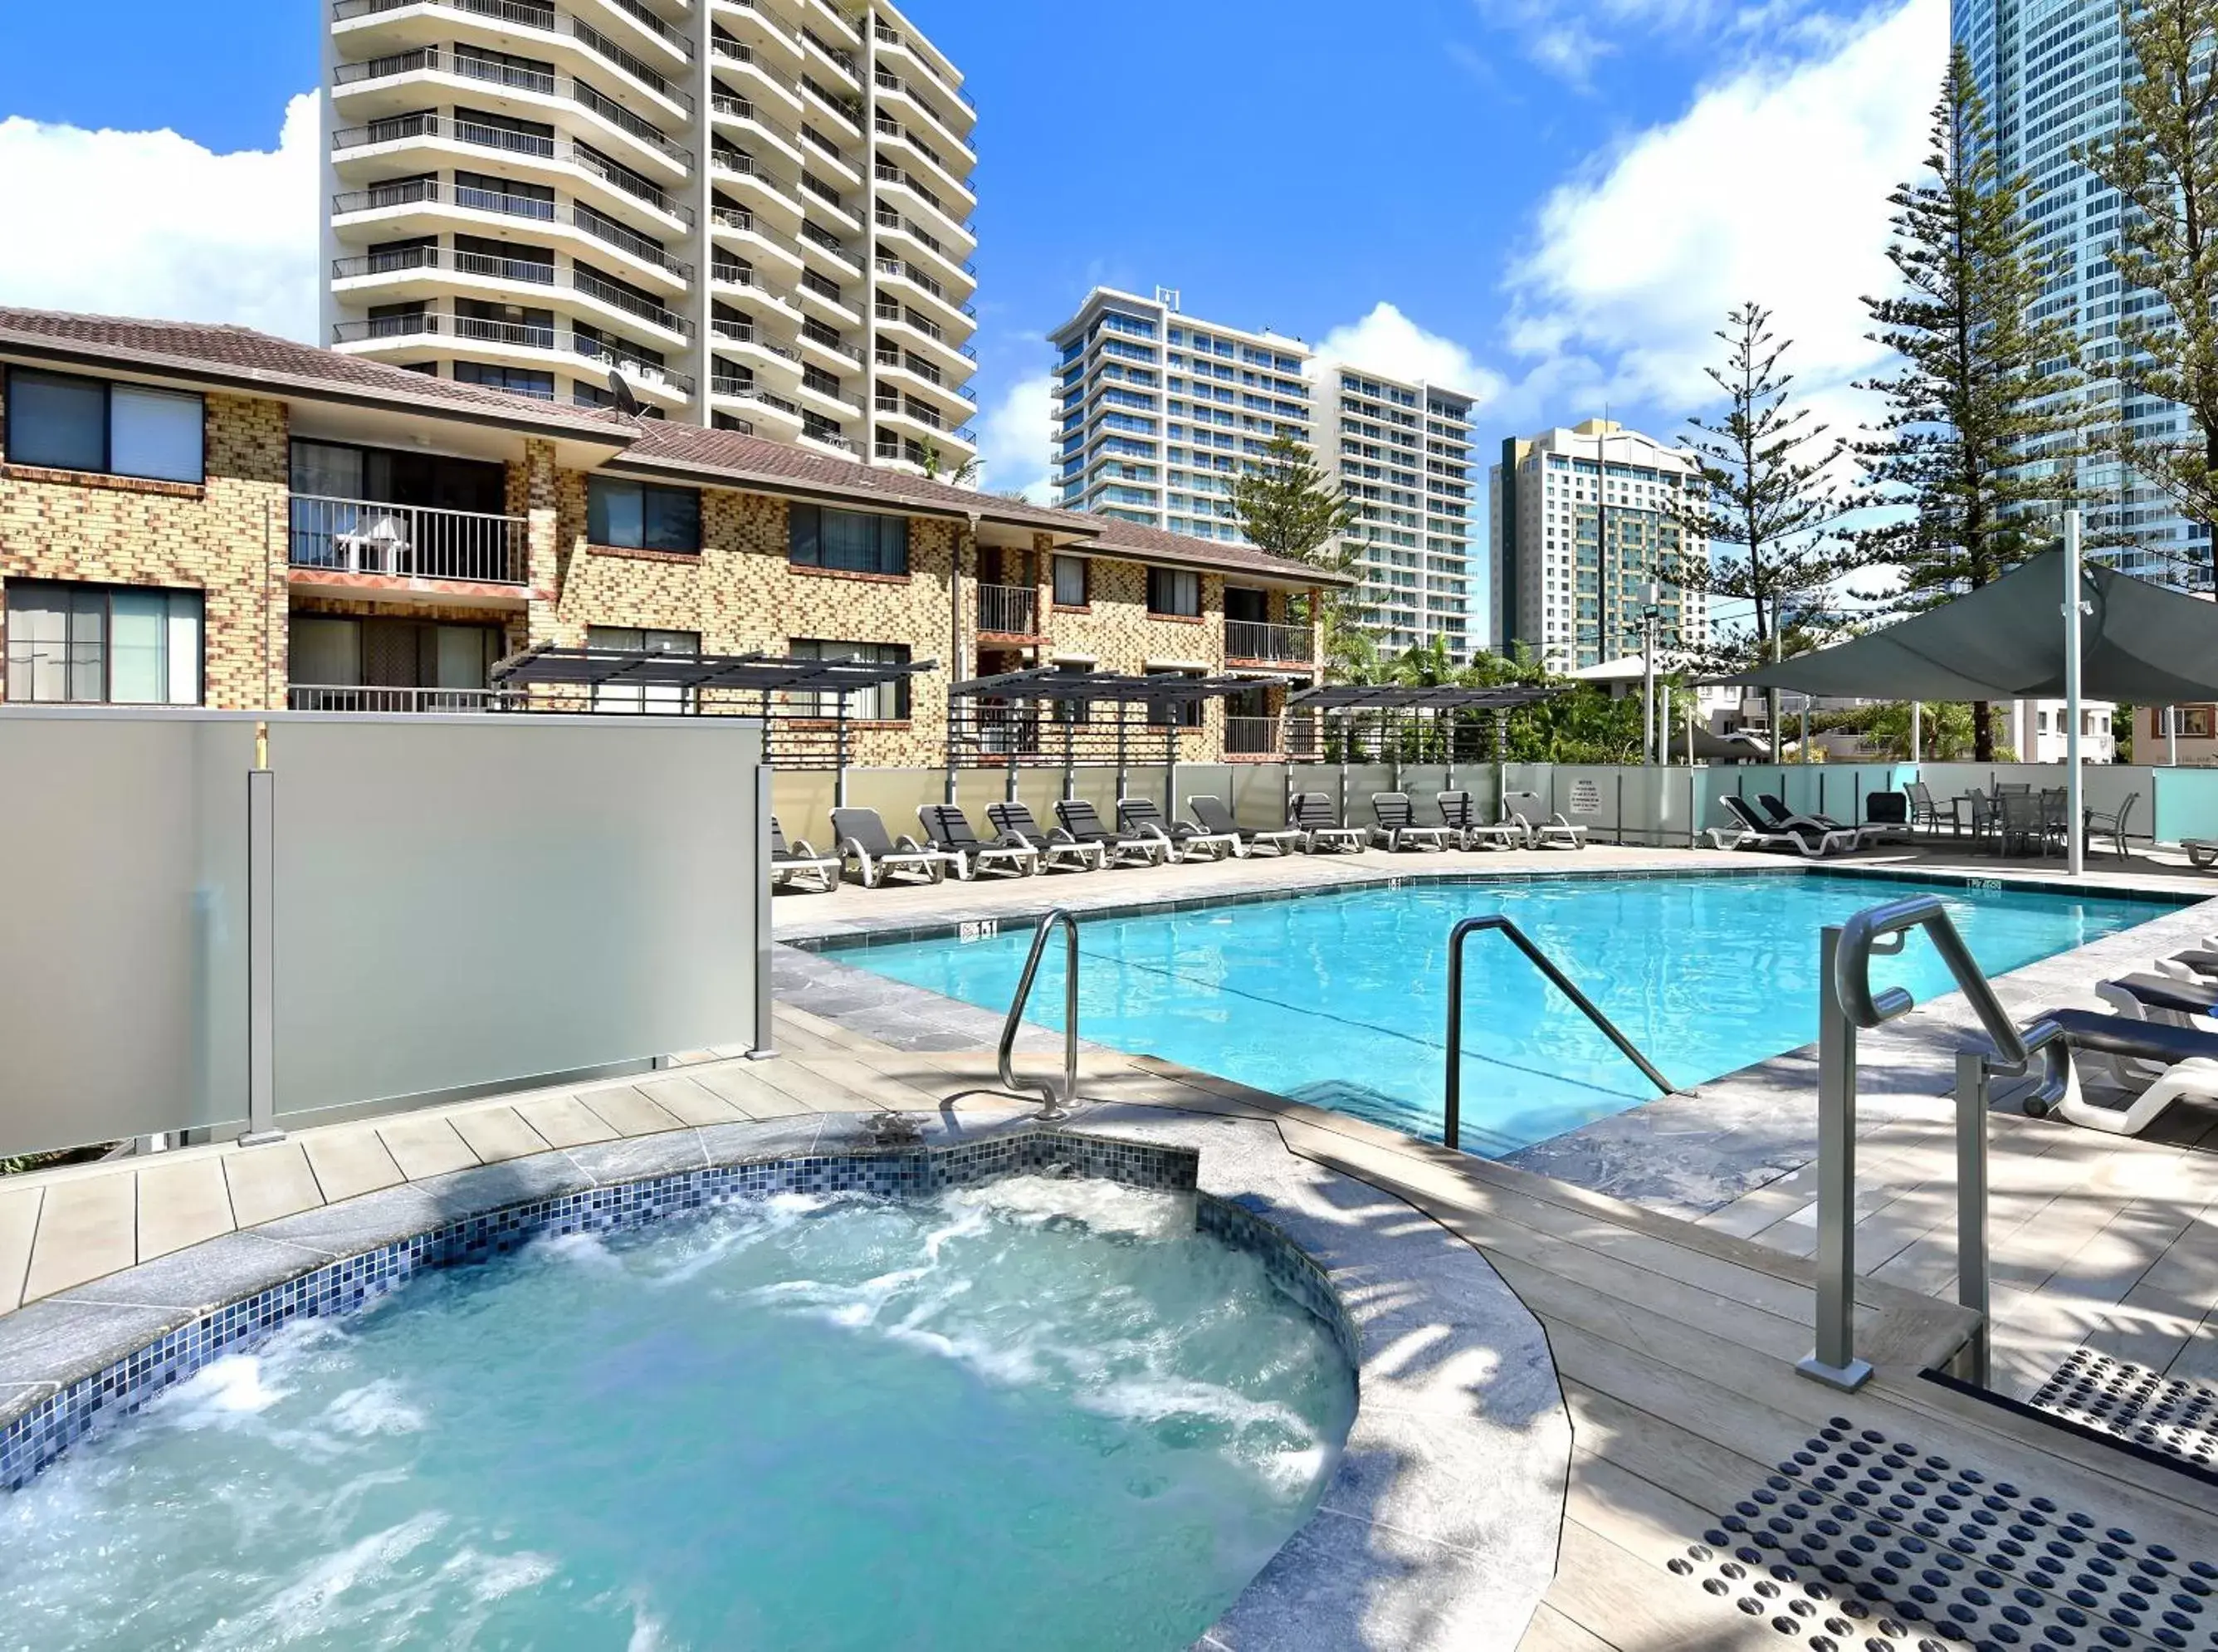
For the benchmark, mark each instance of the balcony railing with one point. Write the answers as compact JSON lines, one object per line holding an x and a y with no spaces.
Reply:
{"x":1008,"y":610}
{"x":320,"y":696}
{"x":544,"y":18}
{"x":1252,"y":736}
{"x":413,"y":192}
{"x":1253,"y":640}
{"x":497,"y":268}
{"x":518,"y":335}
{"x":407,"y":542}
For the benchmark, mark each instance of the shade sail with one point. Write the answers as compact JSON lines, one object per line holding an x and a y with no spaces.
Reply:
{"x":2139,"y":643}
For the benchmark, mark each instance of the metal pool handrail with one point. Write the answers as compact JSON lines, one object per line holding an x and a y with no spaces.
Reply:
{"x":1846,"y":1003}
{"x":1452,"y":1132}
{"x":1054,"y":1111}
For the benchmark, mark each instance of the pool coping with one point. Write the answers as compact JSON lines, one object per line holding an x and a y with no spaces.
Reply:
{"x":1440,"y":1517}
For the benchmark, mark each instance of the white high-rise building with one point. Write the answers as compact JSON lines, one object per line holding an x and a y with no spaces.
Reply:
{"x":753,"y":213}
{"x":1582,"y":524}
{"x":1401,"y":449}
{"x":1155,"y":411}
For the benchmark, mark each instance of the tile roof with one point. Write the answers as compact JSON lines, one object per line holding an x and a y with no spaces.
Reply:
{"x":1112,"y":533}
{"x":229,"y":353}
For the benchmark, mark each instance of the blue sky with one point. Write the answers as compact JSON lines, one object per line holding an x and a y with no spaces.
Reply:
{"x":1559,"y":201}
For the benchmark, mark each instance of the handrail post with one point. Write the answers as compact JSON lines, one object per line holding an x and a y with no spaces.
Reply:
{"x":1055,"y":1110}
{"x":1972,"y":1284}
{"x":1835,"y":1362}
{"x":1452,"y":1105}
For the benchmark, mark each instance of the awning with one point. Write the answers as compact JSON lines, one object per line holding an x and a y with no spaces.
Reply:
{"x":547,"y":666}
{"x":1388,"y":696}
{"x":2140,"y":643}
{"x":1115,"y":688}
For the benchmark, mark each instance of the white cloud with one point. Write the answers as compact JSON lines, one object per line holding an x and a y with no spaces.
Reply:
{"x":1772,"y":187}
{"x":1016,"y":439}
{"x":153,"y":223}
{"x":1387,"y":342}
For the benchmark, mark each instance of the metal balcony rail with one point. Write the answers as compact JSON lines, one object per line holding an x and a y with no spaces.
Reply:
{"x":413,"y":192}
{"x":823,"y":191}
{"x":725,"y":46}
{"x":822,"y":287}
{"x":407,"y":541}
{"x":602,"y":227}
{"x":830,"y":438}
{"x":514,"y":269}
{"x":430,"y":61}
{"x":823,"y":238}
{"x":1253,"y":737}
{"x":1254,"y":639}
{"x":839,"y":54}
{"x":1451,"y":1115}
{"x":544,"y":18}
{"x":744,"y":390}
{"x":326,"y":696}
{"x":632,"y":366}
{"x":1055,"y":1110}
{"x":734,"y":108}
{"x":515,"y":335}
{"x":809,"y":134}
{"x":1008,"y":610}
{"x":654,"y":26}
{"x":816,"y":332}
{"x":732,"y":218}
{"x":817,"y":379}
{"x":1846,"y":1005}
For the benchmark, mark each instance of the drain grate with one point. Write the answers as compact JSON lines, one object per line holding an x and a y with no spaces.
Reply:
{"x":1861,"y":1543}
{"x":2135,"y":1404}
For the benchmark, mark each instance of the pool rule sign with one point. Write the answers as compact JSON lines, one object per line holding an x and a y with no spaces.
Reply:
{"x":1586,"y":797}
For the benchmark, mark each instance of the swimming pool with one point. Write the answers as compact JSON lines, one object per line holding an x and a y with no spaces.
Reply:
{"x":1036,"y":1411}
{"x":1340,"y":1000}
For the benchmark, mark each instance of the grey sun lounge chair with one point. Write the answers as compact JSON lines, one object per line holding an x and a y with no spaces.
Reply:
{"x":1321,"y":833}
{"x":1462,"y":817}
{"x":1555,"y":832}
{"x":1397,"y":829}
{"x":1083,"y":821}
{"x":792,"y":864}
{"x":1780,"y":818}
{"x":1182,"y":841}
{"x":1750,"y":831}
{"x":1217,"y":820}
{"x":2201,"y":852}
{"x":2154,"y":1065}
{"x":950,"y":829}
{"x":1057,"y":848}
{"x":863,"y":840}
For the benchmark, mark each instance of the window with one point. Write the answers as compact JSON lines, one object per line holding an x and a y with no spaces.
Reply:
{"x":854,"y":541}
{"x":661,"y":701}
{"x":120,"y":430}
{"x":516,"y":381}
{"x":1070,"y":585}
{"x":102,"y":644}
{"x":888,"y":703}
{"x":1164,"y":714}
{"x":2199,"y":722}
{"x":640,"y":516}
{"x":1174,"y":590}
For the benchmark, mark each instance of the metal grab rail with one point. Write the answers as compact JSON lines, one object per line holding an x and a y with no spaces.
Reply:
{"x":1451,"y":1131}
{"x":1848,"y":1004}
{"x":1054,"y":1111}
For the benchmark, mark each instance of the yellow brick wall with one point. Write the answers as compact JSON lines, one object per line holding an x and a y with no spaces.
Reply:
{"x":225,"y":537}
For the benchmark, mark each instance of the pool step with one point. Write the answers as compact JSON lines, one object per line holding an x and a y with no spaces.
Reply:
{"x":2136,"y":1404}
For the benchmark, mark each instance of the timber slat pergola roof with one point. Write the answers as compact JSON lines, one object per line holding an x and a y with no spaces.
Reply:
{"x":1388,"y":696}
{"x":1156,"y":688}
{"x":549,"y":666}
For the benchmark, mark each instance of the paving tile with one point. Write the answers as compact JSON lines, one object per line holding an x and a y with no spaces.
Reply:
{"x":348,"y":1161}
{"x":689,"y":1101}
{"x":626,"y":1112}
{"x":181,"y":1204}
{"x":270,"y":1182}
{"x":87,"y":1230}
{"x":19,"y":1222}
{"x":426,"y":1147}
{"x":497,"y":1133}
{"x":743,"y":1088}
{"x":564,"y":1120}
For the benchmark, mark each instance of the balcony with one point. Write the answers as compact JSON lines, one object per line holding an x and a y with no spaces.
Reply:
{"x":547,"y":20}
{"x":509,"y":77}
{"x":1253,"y":737}
{"x":1008,"y":610}
{"x":319,"y":697}
{"x":1277,"y":645}
{"x":407,"y":541}
{"x":402,"y":261}
{"x":403,"y":194}
{"x":417,"y":327}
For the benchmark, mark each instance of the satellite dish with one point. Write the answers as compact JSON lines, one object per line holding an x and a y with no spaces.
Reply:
{"x":627,"y":403}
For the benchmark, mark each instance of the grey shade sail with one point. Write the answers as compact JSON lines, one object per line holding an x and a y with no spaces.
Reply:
{"x":2140,"y":643}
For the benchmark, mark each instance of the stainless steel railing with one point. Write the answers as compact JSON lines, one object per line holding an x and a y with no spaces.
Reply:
{"x":1452,"y":1117}
{"x":1008,"y":610}
{"x":1846,"y":1003}
{"x":1055,"y":1111}
{"x":1254,"y":639}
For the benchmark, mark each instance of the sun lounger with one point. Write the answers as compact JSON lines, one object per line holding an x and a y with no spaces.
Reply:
{"x":1014,"y":821}
{"x":1556,"y":832}
{"x":1749,"y":830}
{"x":1217,"y":820}
{"x":2152,"y":1064}
{"x":1462,"y":817}
{"x":1083,"y":821}
{"x":863,"y":840}
{"x":792,"y":865}
{"x":2164,"y":999}
{"x":1321,"y":833}
{"x":2201,"y":852}
{"x":1780,"y":818}
{"x":950,"y":829}
{"x":1398,"y":830}
{"x":1181,"y":839}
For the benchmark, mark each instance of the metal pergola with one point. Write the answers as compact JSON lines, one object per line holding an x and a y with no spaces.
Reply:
{"x":802,"y":704}
{"x":1398,"y":722}
{"x":1046,"y":717}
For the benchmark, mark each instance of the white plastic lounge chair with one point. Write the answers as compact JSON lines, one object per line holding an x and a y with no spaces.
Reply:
{"x":1182,"y":841}
{"x":1778,"y":818}
{"x":1321,"y":833}
{"x":1749,"y":830}
{"x":863,"y":840}
{"x":1083,"y":821}
{"x":1462,"y":817}
{"x":1397,"y":829}
{"x":2167,"y":1000}
{"x":1014,"y":821}
{"x":1556,"y":832}
{"x":2201,"y":852}
{"x":1217,"y":820}
{"x":800,"y":861}
{"x":2165,"y":1064}
{"x":950,"y":829}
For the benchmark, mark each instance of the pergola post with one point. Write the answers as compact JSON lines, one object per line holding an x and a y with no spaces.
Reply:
{"x":1175,"y":710}
{"x":1123,"y":710}
{"x":1070,"y":759}
{"x":2075,"y":837}
{"x":840,"y":751}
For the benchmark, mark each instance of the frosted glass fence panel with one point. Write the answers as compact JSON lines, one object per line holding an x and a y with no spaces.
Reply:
{"x":2186,"y":804}
{"x":123,"y":929}
{"x":464,"y":902}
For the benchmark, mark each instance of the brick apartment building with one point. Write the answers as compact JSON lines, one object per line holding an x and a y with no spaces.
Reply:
{"x":196,"y":515}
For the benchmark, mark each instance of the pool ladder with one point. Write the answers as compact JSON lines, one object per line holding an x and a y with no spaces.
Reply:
{"x":1056,"y":1109}
{"x":1452,"y":1130}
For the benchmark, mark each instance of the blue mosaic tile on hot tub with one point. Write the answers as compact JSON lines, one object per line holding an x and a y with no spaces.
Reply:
{"x":36,"y":1438}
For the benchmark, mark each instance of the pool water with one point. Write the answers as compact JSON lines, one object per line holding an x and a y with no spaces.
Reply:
{"x":1036,"y":1412}
{"x":1340,"y":999}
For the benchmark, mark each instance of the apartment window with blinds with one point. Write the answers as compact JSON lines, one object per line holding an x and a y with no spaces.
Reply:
{"x":66,"y":423}
{"x":103,"y":645}
{"x":852,"y":542}
{"x":888,"y":703}
{"x":1174,"y":591}
{"x":1070,"y":582}
{"x":640,"y":516}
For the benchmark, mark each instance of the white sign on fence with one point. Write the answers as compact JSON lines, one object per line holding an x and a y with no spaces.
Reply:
{"x":1586,"y":797}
